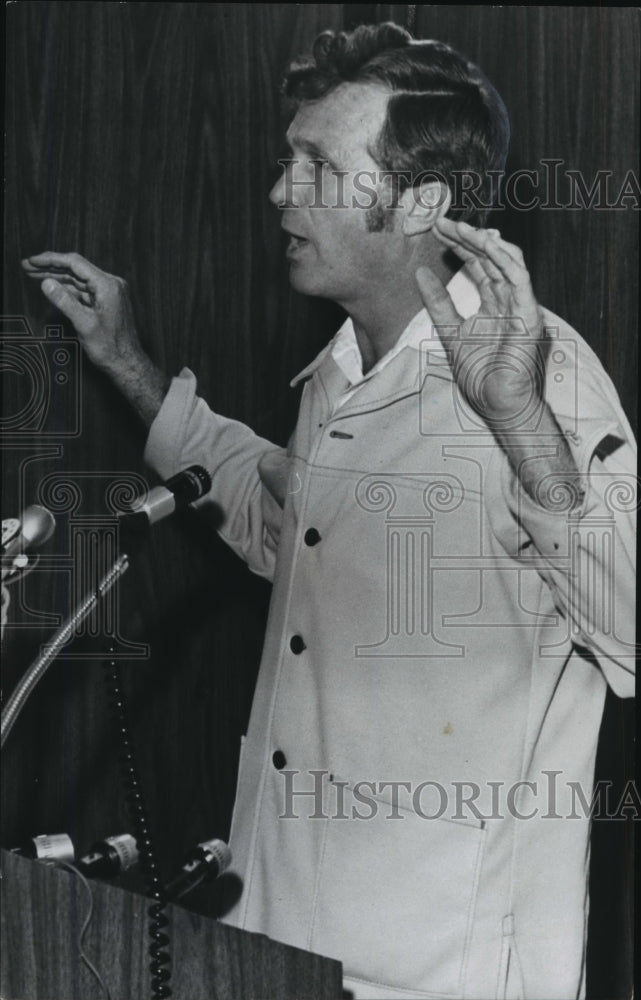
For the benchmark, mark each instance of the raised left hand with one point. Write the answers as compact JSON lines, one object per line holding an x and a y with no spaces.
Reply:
{"x":497,"y":356}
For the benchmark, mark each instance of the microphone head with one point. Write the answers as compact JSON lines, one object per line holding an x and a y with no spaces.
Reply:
{"x":38,"y":525}
{"x":189,"y":485}
{"x":160,"y":502}
{"x":19,"y":536}
{"x":219,"y":850}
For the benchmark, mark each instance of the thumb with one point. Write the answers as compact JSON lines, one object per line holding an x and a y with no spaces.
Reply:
{"x":436,"y":298}
{"x":63,"y":301}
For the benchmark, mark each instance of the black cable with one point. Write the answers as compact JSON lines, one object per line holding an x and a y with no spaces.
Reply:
{"x":141,"y":831}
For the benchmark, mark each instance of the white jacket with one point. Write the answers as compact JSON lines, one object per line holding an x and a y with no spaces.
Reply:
{"x":438,"y":630}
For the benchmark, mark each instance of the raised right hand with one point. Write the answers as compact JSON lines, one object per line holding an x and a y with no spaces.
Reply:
{"x":99,"y":307}
{"x":96,"y":303}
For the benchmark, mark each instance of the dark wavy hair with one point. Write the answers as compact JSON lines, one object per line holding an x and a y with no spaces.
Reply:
{"x":443,"y":115}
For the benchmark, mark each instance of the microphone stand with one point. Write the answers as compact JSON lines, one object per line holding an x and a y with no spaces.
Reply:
{"x":186,"y":487}
{"x":157,"y":919}
{"x":65,"y":633}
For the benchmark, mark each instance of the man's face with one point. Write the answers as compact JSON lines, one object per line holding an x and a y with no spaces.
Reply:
{"x":340,"y":247}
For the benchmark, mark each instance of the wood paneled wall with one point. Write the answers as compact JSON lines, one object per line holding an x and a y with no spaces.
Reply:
{"x":145,"y":136}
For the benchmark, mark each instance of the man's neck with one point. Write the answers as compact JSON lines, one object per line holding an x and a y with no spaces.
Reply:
{"x":380,"y":321}
{"x":378,"y":330}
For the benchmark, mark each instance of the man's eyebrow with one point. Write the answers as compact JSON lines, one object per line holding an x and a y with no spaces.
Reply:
{"x":308,"y":146}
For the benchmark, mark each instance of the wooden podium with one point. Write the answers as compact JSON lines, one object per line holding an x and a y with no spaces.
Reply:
{"x":44,"y":908}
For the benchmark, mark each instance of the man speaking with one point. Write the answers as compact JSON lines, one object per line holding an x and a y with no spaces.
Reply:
{"x":453,"y":586}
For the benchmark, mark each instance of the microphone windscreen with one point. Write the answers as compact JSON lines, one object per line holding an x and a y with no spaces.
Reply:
{"x":38,"y":525}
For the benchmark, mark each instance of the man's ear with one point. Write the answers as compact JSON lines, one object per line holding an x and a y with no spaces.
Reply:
{"x":423,"y":204}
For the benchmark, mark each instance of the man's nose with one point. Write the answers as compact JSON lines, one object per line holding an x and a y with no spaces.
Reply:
{"x":297,"y":185}
{"x":277,"y":193}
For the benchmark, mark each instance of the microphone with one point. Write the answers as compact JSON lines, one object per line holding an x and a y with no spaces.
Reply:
{"x":21,"y":535}
{"x":47,"y":847}
{"x":181,"y":490}
{"x":205,"y":862}
{"x":109,"y":857}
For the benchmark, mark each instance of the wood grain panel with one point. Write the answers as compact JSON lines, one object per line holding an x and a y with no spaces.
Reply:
{"x":145,"y":136}
{"x":44,"y":909}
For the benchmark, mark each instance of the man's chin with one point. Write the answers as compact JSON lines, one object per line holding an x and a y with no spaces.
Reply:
{"x":302,"y":281}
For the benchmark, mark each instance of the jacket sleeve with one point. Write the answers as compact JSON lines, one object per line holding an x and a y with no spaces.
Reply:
{"x":586,"y":555}
{"x":243,"y":510}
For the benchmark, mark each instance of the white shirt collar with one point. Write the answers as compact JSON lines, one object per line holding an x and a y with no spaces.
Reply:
{"x":346,"y":353}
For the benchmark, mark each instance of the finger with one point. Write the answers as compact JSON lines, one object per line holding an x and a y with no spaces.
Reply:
{"x":63,"y":277}
{"x":79,"y":292}
{"x":514,"y":272}
{"x":463,"y":232}
{"x":83,"y":295}
{"x":29,"y":267}
{"x":79,"y":266}
{"x":468,"y":253}
{"x":512,"y":288}
{"x":489,"y":290}
{"x":67,"y":303}
{"x":451,"y":229}
{"x":506,"y":259}
{"x":436,"y":298}
{"x":511,"y":248}
{"x":490,"y":280}
{"x":467,"y":238}
{"x":473,"y":267}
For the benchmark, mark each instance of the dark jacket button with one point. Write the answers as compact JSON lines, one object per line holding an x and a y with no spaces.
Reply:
{"x":279,"y":760}
{"x":312,"y":537}
{"x":296,"y":644}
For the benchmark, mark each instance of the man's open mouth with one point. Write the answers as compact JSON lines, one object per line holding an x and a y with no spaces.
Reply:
{"x":296,"y":243}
